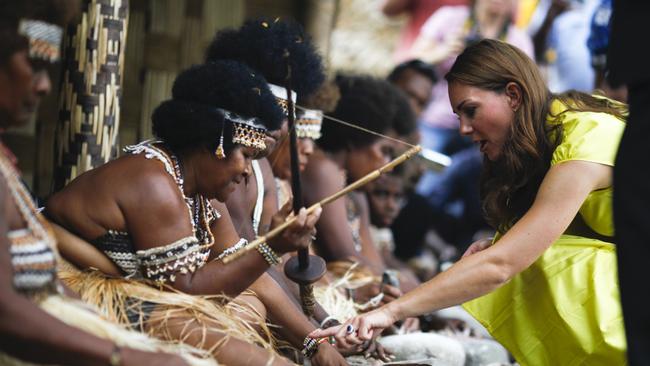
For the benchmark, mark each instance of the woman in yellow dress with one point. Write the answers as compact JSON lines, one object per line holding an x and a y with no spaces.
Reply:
{"x":546,"y":287}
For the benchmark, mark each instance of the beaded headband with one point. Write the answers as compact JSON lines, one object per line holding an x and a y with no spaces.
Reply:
{"x":246,"y":131}
{"x":308,"y":123}
{"x":281,"y":97}
{"x":44,"y":39}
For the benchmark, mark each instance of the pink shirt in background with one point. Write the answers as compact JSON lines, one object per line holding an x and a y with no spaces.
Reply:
{"x":419,"y":11}
{"x":446,"y":22}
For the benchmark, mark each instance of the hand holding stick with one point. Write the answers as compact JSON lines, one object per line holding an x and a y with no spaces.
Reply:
{"x":359,"y":183}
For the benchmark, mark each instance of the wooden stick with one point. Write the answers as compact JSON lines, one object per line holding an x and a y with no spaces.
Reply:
{"x":359,"y":183}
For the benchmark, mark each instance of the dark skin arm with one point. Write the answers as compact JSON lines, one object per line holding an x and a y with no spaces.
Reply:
{"x":294,"y":325}
{"x":243,"y":201}
{"x":31,"y":334}
{"x":170,"y":218}
{"x":92,"y":204}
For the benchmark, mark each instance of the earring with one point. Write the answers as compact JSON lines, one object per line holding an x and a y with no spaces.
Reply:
{"x":220,"y":153}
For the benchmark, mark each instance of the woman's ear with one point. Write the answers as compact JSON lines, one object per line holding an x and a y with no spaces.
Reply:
{"x":514,"y":94}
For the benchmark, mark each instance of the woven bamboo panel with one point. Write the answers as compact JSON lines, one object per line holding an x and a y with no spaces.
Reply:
{"x":174,"y":42}
{"x":91,"y":89}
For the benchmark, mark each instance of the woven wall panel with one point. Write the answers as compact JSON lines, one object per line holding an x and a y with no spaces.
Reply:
{"x":177,"y":36}
{"x":91,"y":89}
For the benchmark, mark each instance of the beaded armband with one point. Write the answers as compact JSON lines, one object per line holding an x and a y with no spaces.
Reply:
{"x":233,"y":249}
{"x":269,"y":255}
{"x":162,"y":264}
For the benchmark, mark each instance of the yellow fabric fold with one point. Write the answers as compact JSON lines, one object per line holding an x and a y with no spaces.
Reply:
{"x":563,"y":310}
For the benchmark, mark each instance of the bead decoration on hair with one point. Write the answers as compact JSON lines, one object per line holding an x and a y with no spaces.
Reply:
{"x":281,"y":97}
{"x":308,"y":123}
{"x":220,"y":152}
{"x":249,"y":132}
{"x":268,"y":254}
{"x":44,"y":39}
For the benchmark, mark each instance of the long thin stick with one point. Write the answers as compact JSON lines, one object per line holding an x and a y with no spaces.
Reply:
{"x":359,"y":183}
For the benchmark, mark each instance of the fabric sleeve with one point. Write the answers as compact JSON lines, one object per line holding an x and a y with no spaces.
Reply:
{"x":589,"y":136}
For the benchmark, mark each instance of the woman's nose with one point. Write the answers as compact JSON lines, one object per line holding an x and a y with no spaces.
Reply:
{"x":306,"y":146}
{"x":465,"y":128}
{"x":247,"y":170}
{"x":42,"y":83}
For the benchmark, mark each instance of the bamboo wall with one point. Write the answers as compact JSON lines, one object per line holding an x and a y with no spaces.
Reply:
{"x":91,"y":90}
{"x":162,"y":38}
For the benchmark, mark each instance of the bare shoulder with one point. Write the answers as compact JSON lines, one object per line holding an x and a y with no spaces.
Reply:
{"x":322,"y":175}
{"x":143,"y":184}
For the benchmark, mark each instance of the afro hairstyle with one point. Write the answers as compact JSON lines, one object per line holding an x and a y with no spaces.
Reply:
{"x":190,"y":119}
{"x":367,"y":102}
{"x":418,"y":66}
{"x":263,"y":44}
{"x":325,"y":98}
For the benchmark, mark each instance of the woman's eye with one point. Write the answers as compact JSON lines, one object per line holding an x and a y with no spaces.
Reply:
{"x":470,"y":111}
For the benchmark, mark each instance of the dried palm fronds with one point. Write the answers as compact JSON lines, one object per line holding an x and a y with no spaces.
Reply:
{"x":117,"y":297}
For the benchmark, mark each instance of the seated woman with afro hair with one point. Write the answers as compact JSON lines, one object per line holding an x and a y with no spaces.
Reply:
{"x":342,"y":156}
{"x":150,"y":212}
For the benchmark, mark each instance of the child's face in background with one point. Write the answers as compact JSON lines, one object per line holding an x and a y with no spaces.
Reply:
{"x":385,"y":199}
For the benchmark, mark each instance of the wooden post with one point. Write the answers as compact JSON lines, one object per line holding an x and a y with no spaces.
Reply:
{"x":91,"y":90}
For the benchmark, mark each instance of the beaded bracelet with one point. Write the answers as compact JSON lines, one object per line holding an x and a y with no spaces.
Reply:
{"x":269,"y":255}
{"x":310,"y":345}
{"x":233,"y":249}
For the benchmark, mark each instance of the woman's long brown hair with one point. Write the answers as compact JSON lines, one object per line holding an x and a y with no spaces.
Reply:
{"x":509,"y":185}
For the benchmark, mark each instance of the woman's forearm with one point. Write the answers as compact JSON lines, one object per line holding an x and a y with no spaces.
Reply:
{"x":216,"y":278}
{"x":469,"y":278}
{"x":282,"y":310}
{"x":29,"y":333}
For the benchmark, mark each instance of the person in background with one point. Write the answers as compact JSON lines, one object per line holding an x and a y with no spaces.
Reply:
{"x":560,"y":29}
{"x":415,"y":78}
{"x":418,"y":12}
{"x":444,"y":35}
{"x":598,"y":43}
{"x":40,"y":321}
{"x":546,"y":287}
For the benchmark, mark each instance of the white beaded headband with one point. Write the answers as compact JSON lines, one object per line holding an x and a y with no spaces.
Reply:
{"x":44,"y":39}
{"x":308,"y":123}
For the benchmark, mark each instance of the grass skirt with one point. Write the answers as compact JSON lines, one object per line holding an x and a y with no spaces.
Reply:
{"x":116,"y":298}
{"x":80,"y":315}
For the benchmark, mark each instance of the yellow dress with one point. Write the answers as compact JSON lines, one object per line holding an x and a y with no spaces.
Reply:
{"x":565,"y":309}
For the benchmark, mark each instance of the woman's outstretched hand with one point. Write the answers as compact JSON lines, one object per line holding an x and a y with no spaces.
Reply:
{"x":358,"y":329}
